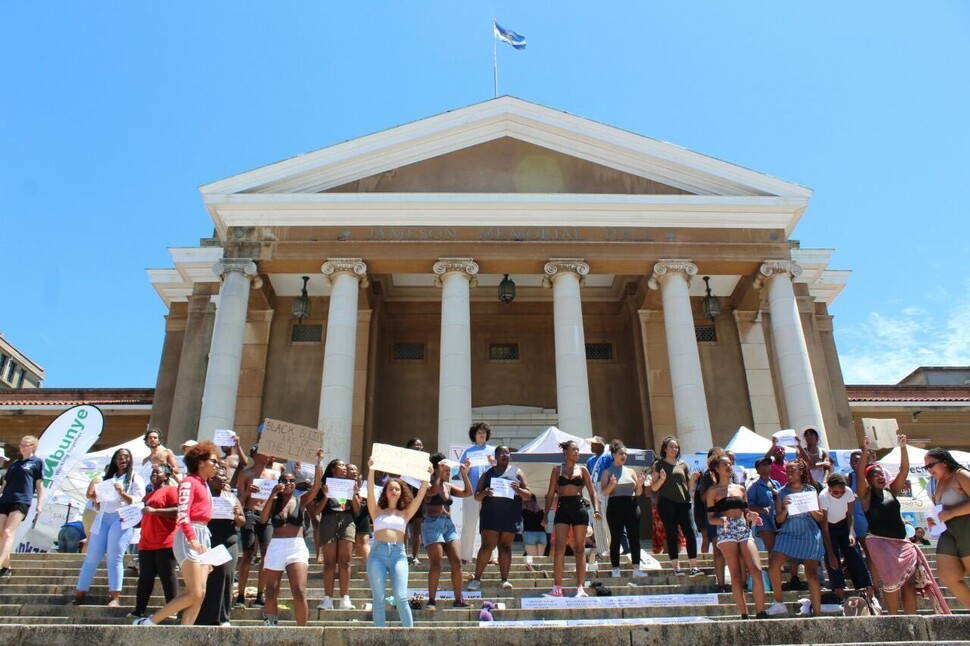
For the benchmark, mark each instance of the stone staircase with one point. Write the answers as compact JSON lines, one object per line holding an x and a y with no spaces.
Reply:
{"x":41,"y":586}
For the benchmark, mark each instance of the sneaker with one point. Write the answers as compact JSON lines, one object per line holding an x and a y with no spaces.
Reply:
{"x":143,"y":621}
{"x":326,"y":604}
{"x":581,"y":592}
{"x":431,"y":606}
{"x":474,"y":584}
{"x":776,"y":609}
{"x":225,"y":624}
{"x":694,"y":571}
{"x":134,"y":614}
{"x":390,"y":600}
{"x":346,"y":604}
{"x":240,"y":602}
{"x":616,"y":573}
{"x":679,"y":572}
{"x":638,"y":573}
{"x":506,"y":585}
{"x":556,"y":591}
{"x":761,"y":615}
{"x":258,"y":602}
{"x":415,"y":561}
{"x":5,"y":572}
{"x":273,"y":623}
{"x":461,"y":604}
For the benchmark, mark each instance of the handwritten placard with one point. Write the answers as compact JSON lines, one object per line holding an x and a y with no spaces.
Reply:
{"x":216,"y":556}
{"x":447,"y":595}
{"x":106,"y":491}
{"x":223,"y":508}
{"x":937,"y":526}
{"x":340,"y":488}
{"x":501,"y":488}
{"x":130,"y":515}
{"x":800,"y":503}
{"x":290,"y":441}
{"x":405,"y":462}
{"x":363,"y":490}
{"x":787,"y":438}
{"x":478,"y":459}
{"x":224,"y":437}
{"x":265,"y":486}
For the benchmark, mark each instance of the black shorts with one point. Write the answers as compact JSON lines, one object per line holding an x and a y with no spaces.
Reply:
{"x":362,"y":522}
{"x":253,"y":530}
{"x":571,"y":510}
{"x":7,"y":508}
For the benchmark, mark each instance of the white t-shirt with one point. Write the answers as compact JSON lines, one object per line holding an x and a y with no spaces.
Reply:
{"x":835,"y":508}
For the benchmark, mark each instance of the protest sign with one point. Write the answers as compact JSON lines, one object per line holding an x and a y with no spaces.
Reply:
{"x":340,"y":488}
{"x":787,"y":438}
{"x":106,"y":491}
{"x":802,"y":502}
{"x":223,"y":508}
{"x":290,"y":441}
{"x":398,"y":461}
{"x":130,"y":515}
{"x":215,"y":556}
{"x":265,"y":488}
{"x":501,"y":488}
{"x":224,"y":437}
{"x":882,"y":432}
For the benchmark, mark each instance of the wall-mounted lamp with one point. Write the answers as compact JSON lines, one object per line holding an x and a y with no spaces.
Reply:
{"x":506,"y":290}
{"x":301,"y":304}
{"x":712,"y":306}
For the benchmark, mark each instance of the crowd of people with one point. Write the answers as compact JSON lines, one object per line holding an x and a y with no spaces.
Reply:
{"x":803,"y":514}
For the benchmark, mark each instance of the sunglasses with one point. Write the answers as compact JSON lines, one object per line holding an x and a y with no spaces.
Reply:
{"x":933,"y":464}
{"x":288,"y":481}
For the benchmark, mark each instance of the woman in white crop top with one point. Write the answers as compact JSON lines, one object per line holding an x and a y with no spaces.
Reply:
{"x":388,"y":555}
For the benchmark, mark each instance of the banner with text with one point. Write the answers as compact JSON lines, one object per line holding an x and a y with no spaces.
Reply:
{"x":287,"y":441}
{"x":403,"y":462}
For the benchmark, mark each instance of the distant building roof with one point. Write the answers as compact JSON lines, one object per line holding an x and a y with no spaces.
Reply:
{"x":909,"y":394}
{"x":53,"y":397}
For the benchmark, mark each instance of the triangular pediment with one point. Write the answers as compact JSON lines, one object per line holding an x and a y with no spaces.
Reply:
{"x":506,"y":165}
{"x":556,"y":140}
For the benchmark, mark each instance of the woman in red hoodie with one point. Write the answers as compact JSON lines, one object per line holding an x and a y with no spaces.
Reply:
{"x":192,"y":536}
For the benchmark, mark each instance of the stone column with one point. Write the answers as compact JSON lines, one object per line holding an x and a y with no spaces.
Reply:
{"x":672,"y":278}
{"x":455,"y":276}
{"x":225,"y":352}
{"x":757,"y":372}
{"x":346,"y":276}
{"x":566,"y":276}
{"x":791,"y":351}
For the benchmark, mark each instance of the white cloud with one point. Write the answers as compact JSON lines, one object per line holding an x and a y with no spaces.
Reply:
{"x":889,"y":346}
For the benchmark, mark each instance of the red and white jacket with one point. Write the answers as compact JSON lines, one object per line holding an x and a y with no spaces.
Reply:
{"x":195,"y":505}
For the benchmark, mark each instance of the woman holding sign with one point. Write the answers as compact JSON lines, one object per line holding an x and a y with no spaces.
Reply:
{"x":901,"y":565}
{"x":288,"y":550}
{"x":119,"y":487}
{"x":338,"y":531}
{"x":192,"y":537}
{"x":566,"y":484}
{"x":438,"y":532}
{"x":388,"y":555}
{"x":500,"y":492}
{"x":953,"y":494}
{"x":799,"y":537}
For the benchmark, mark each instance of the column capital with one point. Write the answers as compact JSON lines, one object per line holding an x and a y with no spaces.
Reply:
{"x":771,"y":268}
{"x":669,"y":266}
{"x":558,"y":266}
{"x":466,"y":266}
{"x":245,"y":266}
{"x":353,"y":266}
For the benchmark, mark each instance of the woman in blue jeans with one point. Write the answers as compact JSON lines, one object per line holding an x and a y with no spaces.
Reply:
{"x":388,"y":556}
{"x":107,"y":537}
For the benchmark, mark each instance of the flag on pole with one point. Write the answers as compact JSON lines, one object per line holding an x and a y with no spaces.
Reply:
{"x":509,"y":36}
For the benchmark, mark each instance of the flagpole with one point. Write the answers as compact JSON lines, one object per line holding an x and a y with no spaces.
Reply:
{"x":494,"y":60}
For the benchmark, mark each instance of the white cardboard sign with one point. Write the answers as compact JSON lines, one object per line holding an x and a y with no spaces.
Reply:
{"x":130,"y":515}
{"x":802,"y":502}
{"x":404,"y":462}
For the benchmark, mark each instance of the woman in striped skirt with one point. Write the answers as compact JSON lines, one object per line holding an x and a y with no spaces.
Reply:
{"x":799,"y":538}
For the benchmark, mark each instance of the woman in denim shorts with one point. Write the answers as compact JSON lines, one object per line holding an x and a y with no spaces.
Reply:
{"x":438,"y":531}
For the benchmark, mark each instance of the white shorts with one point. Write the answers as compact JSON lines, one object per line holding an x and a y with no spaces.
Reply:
{"x":181,"y":547}
{"x":284,"y":551}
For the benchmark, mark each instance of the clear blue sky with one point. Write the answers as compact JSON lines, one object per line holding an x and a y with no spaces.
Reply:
{"x":113,"y":113}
